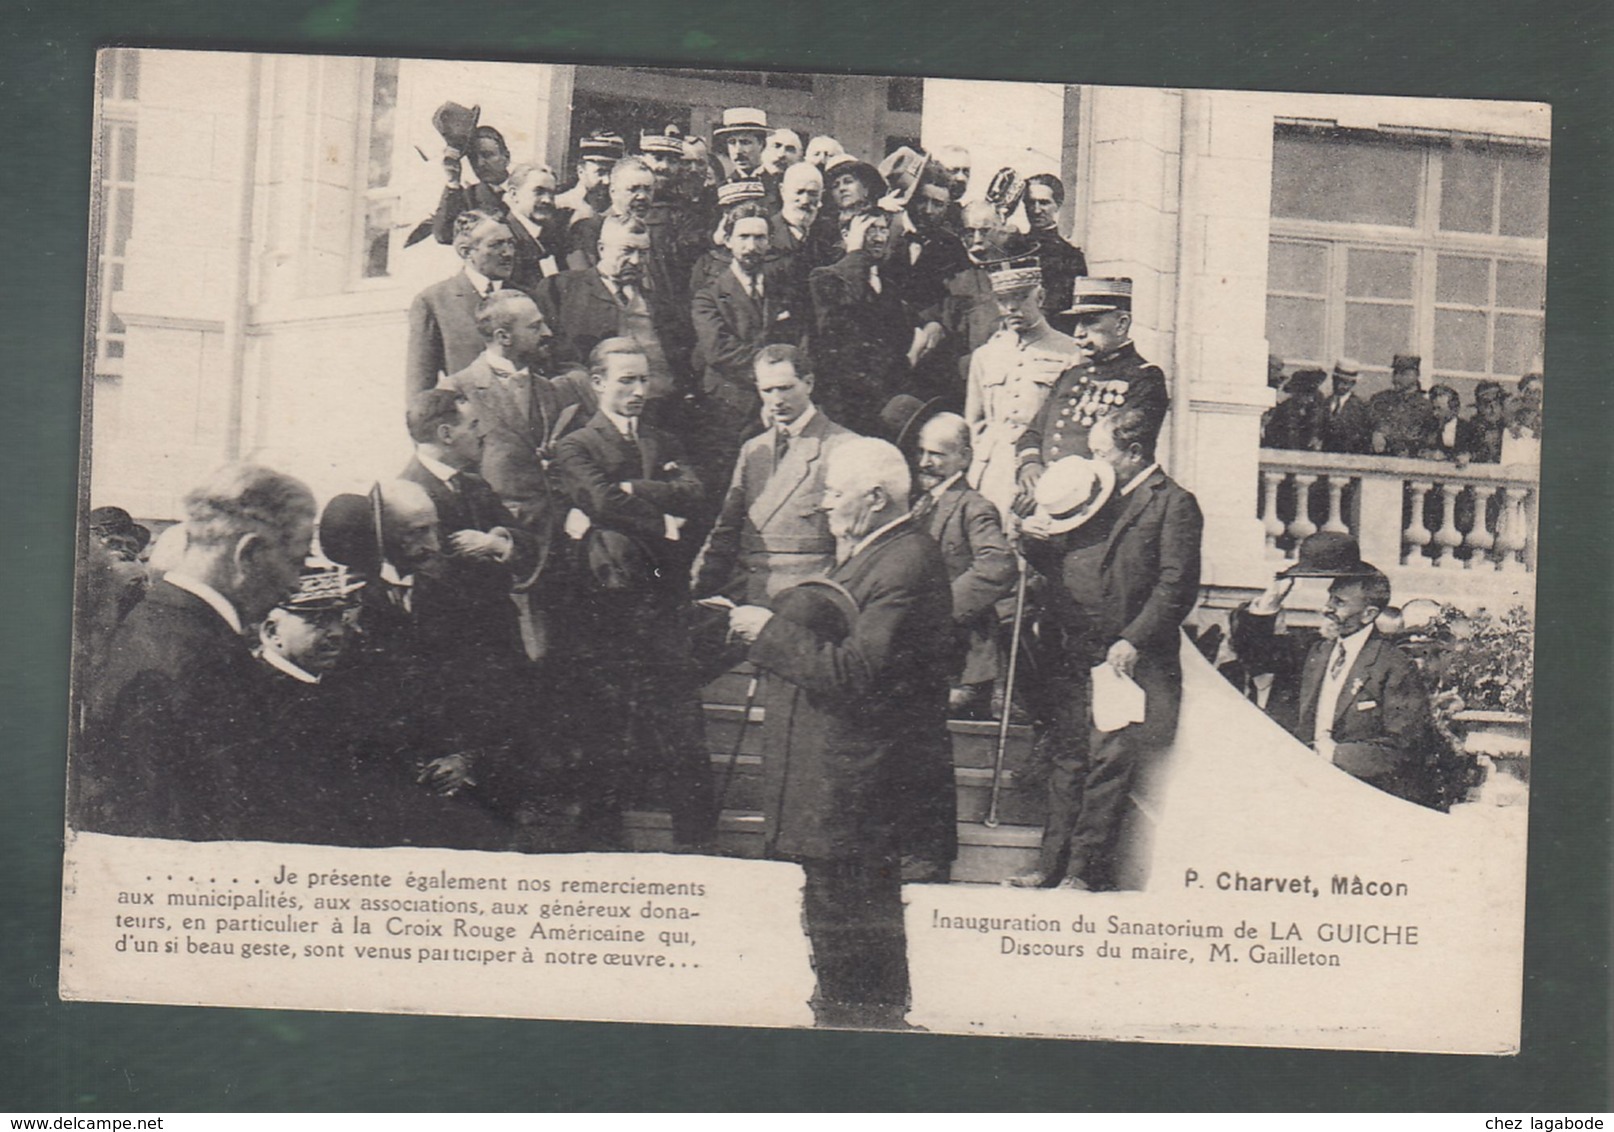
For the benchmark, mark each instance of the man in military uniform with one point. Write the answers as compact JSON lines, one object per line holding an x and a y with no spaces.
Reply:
{"x":1009,"y":377}
{"x":590,"y":194}
{"x":1113,"y":375}
{"x":1403,"y":418}
{"x":1062,"y":261}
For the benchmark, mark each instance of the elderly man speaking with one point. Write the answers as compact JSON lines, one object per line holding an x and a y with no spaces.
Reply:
{"x":855,"y":737}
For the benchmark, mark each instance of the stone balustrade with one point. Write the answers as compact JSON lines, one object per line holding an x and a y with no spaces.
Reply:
{"x":1416,"y":514}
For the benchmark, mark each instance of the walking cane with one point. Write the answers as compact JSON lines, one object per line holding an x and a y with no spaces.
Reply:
{"x":1008,"y":696}
{"x":739,"y":741}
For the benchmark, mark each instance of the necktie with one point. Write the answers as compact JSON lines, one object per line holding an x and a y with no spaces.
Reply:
{"x":781,"y":445}
{"x":493,"y":286}
{"x":874,"y":279}
{"x":1336,"y":667}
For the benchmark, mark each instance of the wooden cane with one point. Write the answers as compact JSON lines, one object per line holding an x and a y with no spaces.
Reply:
{"x":1008,"y":696}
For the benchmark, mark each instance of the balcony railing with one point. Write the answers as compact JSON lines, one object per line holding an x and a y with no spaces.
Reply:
{"x":1417,"y":514}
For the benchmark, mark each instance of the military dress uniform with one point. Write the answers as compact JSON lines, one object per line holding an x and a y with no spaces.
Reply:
{"x":1082,"y":395}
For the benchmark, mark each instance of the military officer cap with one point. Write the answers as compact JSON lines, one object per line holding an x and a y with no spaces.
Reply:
{"x":1019,"y":273}
{"x":1005,"y":191}
{"x":1092,"y":295}
{"x":602,"y":145}
{"x":742,"y":120}
{"x":733,"y":193}
{"x":669,"y":142}
{"x":1406,"y":361}
{"x":322,"y":588}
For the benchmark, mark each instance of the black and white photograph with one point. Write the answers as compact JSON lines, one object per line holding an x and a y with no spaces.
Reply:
{"x":841,"y":551}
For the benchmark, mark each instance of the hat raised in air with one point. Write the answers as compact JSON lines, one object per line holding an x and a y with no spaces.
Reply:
{"x":742,"y":120}
{"x":902,"y":170}
{"x":1328,"y":554}
{"x":456,"y":124}
{"x":1100,"y":295}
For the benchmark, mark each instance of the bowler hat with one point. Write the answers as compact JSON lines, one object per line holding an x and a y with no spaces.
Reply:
{"x":349,"y":533}
{"x":456,"y":124}
{"x":1303,"y":380}
{"x":1070,"y":492}
{"x":826,"y":608}
{"x":1328,"y":554}
{"x":905,"y":414}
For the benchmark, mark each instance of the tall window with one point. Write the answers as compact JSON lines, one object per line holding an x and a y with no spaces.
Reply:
{"x":119,"y":75}
{"x":1383,"y":246}
{"x":380,"y":198}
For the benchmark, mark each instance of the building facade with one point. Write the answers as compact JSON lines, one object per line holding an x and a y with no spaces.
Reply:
{"x":251,"y":295}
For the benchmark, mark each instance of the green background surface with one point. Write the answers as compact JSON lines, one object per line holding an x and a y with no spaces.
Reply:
{"x":63,"y":1058}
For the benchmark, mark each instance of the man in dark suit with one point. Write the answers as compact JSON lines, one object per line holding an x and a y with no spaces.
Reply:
{"x":634,"y":492}
{"x":969,"y":530}
{"x":1121,"y":585}
{"x":738,"y":313}
{"x":865,"y":344}
{"x":855,"y":739}
{"x":1360,"y":701}
{"x":793,"y":249}
{"x":1479,"y":437}
{"x":442,"y":320}
{"x":1113,"y":376}
{"x":1346,"y":426}
{"x":489,"y":156}
{"x":538,"y":228}
{"x":1062,"y":262}
{"x":611,"y":299}
{"x":174,"y":727}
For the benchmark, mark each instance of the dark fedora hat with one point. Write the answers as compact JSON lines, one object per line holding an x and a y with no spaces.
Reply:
{"x":1328,"y":554}
{"x":904,"y":415}
{"x":824,"y":607}
{"x":456,"y":124}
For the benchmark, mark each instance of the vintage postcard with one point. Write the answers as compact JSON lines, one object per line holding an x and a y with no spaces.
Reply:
{"x":764,"y":549}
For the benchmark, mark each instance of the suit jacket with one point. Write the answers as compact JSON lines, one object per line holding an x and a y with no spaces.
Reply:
{"x":174,"y":726}
{"x":861,"y":342}
{"x":582,"y":312}
{"x":919,"y":264}
{"x":518,"y":445}
{"x":1062,"y":263}
{"x":769,"y":533}
{"x":458,"y":199}
{"x":1406,"y":421}
{"x":443,"y":338}
{"x":1348,"y":428}
{"x":1086,"y":392}
{"x":1383,"y":732}
{"x":528,"y":272}
{"x":969,"y":530}
{"x":473,"y":613}
{"x":856,"y":754}
{"x":1481,"y":442}
{"x":730,"y":327}
{"x":593,"y":463}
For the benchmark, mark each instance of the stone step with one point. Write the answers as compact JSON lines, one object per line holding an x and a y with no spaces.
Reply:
{"x":985,"y":856}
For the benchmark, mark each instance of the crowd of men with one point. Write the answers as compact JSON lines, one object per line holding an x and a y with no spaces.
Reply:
{"x":775,"y":406}
{"x":1405,"y":420}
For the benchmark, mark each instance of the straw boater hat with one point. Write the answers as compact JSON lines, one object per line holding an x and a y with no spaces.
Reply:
{"x":732,"y":193}
{"x":1092,"y":295}
{"x":742,"y":120}
{"x":1328,"y":554}
{"x":669,"y":142}
{"x":1348,"y":367}
{"x":1070,"y":493}
{"x":1018,"y":273}
{"x":323,"y":587}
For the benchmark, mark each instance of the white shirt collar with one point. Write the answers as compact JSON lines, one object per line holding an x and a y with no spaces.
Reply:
{"x":941,"y":489}
{"x":876,"y":533}
{"x":627,"y":426}
{"x":798,"y":426}
{"x":275,"y":660}
{"x":1136,"y":481}
{"x":500,"y":364}
{"x":480,"y":281}
{"x":219,"y":603}
{"x":436,"y":467}
{"x":532,"y":229}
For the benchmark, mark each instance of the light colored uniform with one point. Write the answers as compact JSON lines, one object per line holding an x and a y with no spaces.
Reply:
{"x":1009,"y":379}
